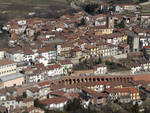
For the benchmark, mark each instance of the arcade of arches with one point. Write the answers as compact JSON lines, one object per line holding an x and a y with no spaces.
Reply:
{"x":82,"y":79}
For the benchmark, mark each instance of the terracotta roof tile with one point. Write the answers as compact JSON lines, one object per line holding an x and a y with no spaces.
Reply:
{"x":122,"y":90}
{"x":44,"y":83}
{"x":6,"y":62}
{"x":57,"y":100}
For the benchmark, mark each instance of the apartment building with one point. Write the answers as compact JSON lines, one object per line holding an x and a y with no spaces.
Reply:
{"x":125,"y":94}
{"x":7,"y":67}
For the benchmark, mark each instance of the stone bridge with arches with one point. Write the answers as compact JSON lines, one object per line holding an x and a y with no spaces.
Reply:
{"x":82,"y":79}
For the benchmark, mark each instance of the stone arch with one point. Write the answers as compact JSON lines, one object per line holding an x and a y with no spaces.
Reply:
{"x":59,"y":82}
{"x":127,"y":79}
{"x":85,"y":80}
{"x":70,"y":81}
{"x":63,"y":81}
{"x":106,"y":79}
{"x":74,"y":80}
{"x":90,"y":80}
{"x":114,"y":79}
{"x":66,"y":81}
{"x":110,"y":79}
{"x":124,"y":79}
{"x":118,"y":79}
{"x":78,"y":80}
{"x":82,"y":80}
{"x":94,"y":80}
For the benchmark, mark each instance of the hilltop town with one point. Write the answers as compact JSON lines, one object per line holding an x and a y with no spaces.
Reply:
{"x":91,"y":61}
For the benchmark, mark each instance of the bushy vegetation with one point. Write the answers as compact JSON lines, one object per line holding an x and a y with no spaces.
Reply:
{"x":130,"y":107}
{"x":87,"y":64}
{"x":113,"y":66}
{"x":139,"y":1}
{"x":92,"y":8}
{"x":120,"y":25}
{"x":24,"y":95}
{"x":38,"y":104}
{"x":75,"y":106}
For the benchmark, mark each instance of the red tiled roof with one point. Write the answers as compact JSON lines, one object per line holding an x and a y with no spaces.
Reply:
{"x":28,"y":99}
{"x":93,"y":93}
{"x":67,"y":61}
{"x":34,"y":89}
{"x":72,"y":95}
{"x":57,"y":93}
{"x":43,"y":83}
{"x":6,"y":62}
{"x":52,"y":67}
{"x":57,"y":100}
{"x":122,"y":90}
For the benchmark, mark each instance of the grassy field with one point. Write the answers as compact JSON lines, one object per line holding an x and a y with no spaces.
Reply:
{"x":31,"y":1}
{"x":20,"y":8}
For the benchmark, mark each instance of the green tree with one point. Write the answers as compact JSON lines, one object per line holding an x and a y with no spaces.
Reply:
{"x":24,"y":95}
{"x":135,"y":108}
{"x":92,"y":8}
{"x":83,"y":21}
{"x":120,"y":25}
{"x":38,"y":104}
{"x":73,"y":105}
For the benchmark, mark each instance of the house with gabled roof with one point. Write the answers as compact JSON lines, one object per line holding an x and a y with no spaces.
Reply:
{"x":55,"y":103}
{"x":67,"y":66}
{"x":54,"y":70}
{"x":130,"y":93}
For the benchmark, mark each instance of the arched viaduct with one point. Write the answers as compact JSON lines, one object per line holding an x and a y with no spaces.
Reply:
{"x":82,"y":79}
